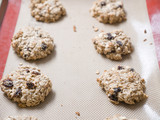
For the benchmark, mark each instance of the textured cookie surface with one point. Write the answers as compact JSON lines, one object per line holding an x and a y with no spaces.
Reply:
{"x":32,"y":43}
{"x":27,"y":86}
{"x":47,"y":10}
{"x":123,"y":84}
{"x":113,"y":45}
{"x":21,"y":118}
{"x":118,"y":117}
{"x":108,"y":11}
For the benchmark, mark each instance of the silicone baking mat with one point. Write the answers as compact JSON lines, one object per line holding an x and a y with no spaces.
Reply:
{"x":73,"y":64}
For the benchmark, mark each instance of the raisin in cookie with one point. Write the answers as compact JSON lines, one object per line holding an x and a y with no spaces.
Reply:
{"x":47,"y":10}
{"x":113,"y":45}
{"x":123,"y":83}
{"x":27,"y":86}
{"x":21,"y":118}
{"x":32,"y":43}
{"x":108,"y":11}
{"x":118,"y":117}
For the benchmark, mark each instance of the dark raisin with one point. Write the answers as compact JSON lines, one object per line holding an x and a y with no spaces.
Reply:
{"x":120,"y":67}
{"x":25,"y":55}
{"x":110,"y":37}
{"x":44,"y":46}
{"x":36,"y":73}
{"x":18,"y":92}
{"x":116,"y":90}
{"x":8,"y":83}
{"x":119,"y":43}
{"x":113,"y":97}
{"x":103,"y":3}
{"x":28,"y":49}
{"x":131,"y":69}
{"x":30,"y":85}
{"x":27,"y":70}
{"x":119,"y":6}
{"x":145,"y":31}
{"x":113,"y":51}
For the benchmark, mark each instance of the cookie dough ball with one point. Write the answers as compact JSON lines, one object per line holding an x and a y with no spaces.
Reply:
{"x":123,"y":84}
{"x":27,"y":86}
{"x":113,"y":45}
{"x":21,"y":118}
{"x":118,"y":117}
{"x":32,"y":43}
{"x":47,"y":10}
{"x":108,"y":11}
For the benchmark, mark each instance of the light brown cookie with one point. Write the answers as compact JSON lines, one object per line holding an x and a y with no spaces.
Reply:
{"x":27,"y":86}
{"x":108,"y":11}
{"x":21,"y":118}
{"x":118,"y":117}
{"x":47,"y":10}
{"x":113,"y":45}
{"x":32,"y":43}
{"x":123,"y":84}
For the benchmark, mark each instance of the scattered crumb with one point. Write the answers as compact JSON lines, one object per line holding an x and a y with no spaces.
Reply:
{"x":97,"y":72}
{"x":145,"y":40}
{"x":105,"y":70}
{"x":20,"y":64}
{"x":74,"y":28}
{"x":102,"y":30}
{"x":145,"y":31}
{"x":95,"y":29}
{"x":77,"y":113}
{"x":151,"y":43}
{"x":61,"y":105}
{"x":98,"y":79}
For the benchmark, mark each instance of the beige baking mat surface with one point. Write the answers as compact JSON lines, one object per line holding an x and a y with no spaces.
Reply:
{"x":73,"y":64}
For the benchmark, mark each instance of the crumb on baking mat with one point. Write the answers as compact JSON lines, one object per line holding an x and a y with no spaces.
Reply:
{"x":145,"y":31}
{"x":95,"y":29}
{"x":145,"y":40}
{"x":77,"y":113}
{"x":97,"y":72}
{"x":74,"y":28}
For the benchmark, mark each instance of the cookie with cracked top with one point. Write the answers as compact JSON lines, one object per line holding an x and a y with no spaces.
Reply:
{"x":113,"y":45}
{"x":123,"y":84}
{"x":21,"y":118}
{"x":47,"y":10}
{"x":118,"y":117}
{"x":27,"y":86}
{"x":32,"y":43}
{"x":108,"y":11}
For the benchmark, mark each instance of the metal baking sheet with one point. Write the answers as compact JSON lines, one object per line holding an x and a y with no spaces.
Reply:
{"x":73,"y":64}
